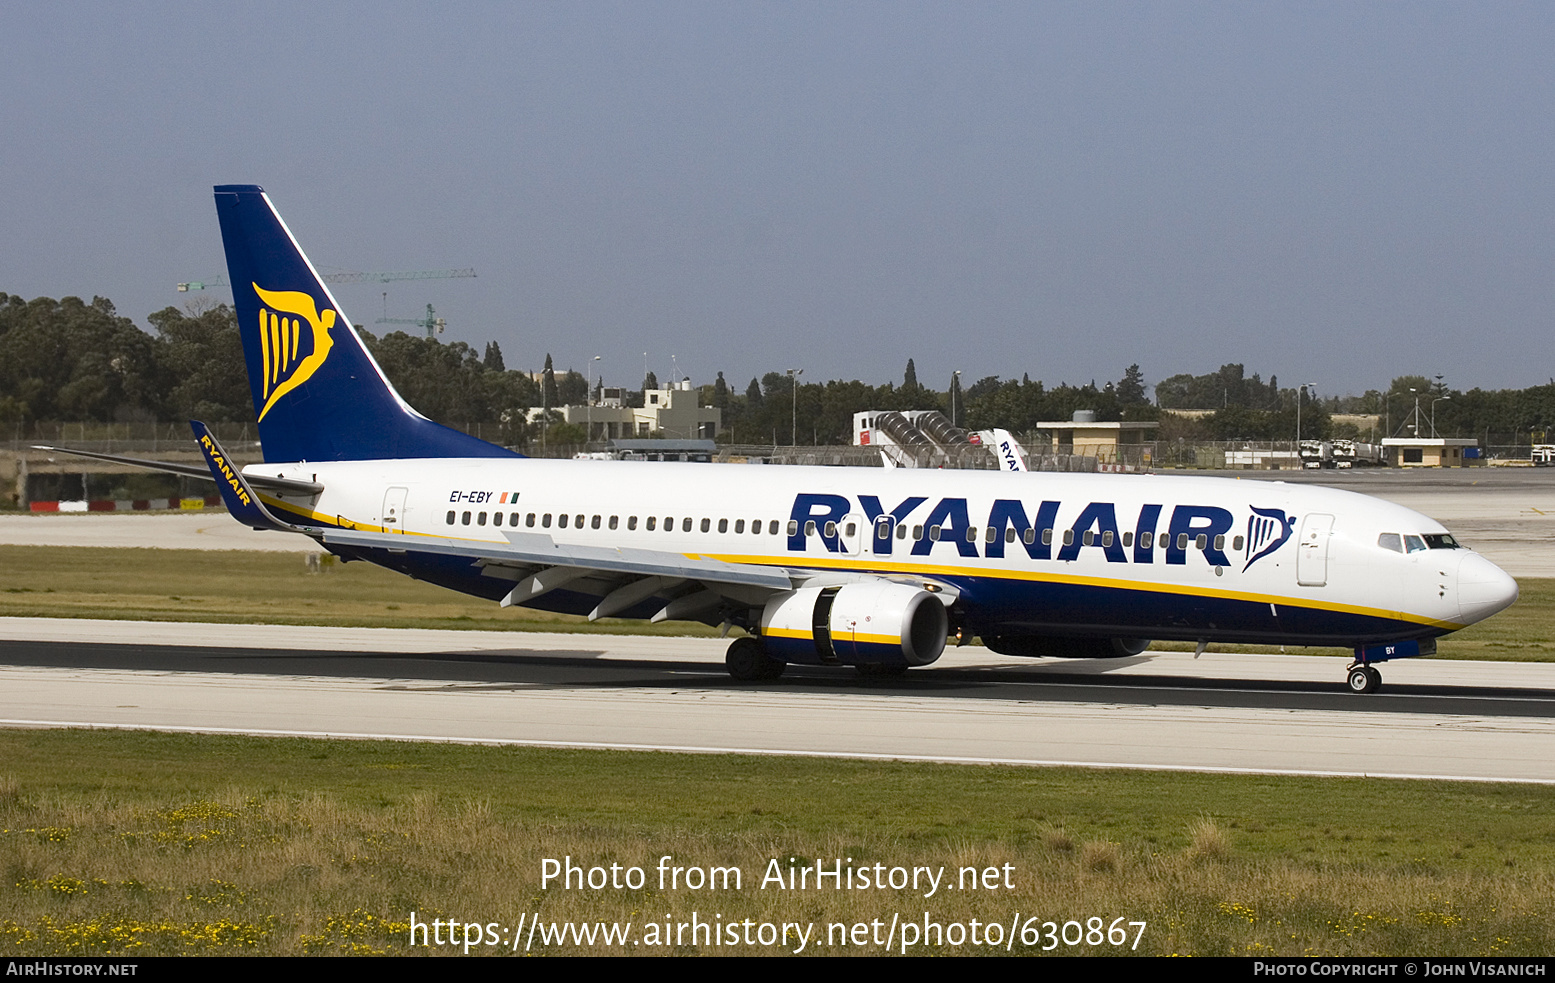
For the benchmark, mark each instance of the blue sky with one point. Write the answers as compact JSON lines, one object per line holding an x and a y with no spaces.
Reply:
{"x":1338,"y":193}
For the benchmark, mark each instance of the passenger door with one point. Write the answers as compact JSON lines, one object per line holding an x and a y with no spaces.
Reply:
{"x":394,"y":510}
{"x":1312,"y":550}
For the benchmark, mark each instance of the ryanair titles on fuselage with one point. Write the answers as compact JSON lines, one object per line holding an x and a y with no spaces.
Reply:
{"x":948,"y":524}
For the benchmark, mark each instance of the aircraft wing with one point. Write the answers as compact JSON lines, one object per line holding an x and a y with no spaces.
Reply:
{"x":688,"y":586}
{"x":527,"y":549}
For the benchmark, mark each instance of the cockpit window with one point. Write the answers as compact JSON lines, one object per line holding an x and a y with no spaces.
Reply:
{"x":1391,"y":541}
{"x":1441,"y":541}
{"x":1413,"y":543}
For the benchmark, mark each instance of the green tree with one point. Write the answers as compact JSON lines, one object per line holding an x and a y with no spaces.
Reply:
{"x":71,"y":360}
{"x":568,"y":433}
{"x":1131,"y":390}
{"x":203,"y":369}
{"x":493,"y":359}
{"x":572,"y":389}
{"x":443,"y":382}
{"x":548,"y":394}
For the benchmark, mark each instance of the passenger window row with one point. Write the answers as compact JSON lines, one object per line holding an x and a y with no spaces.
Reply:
{"x":580,"y":520}
{"x":882,"y":530}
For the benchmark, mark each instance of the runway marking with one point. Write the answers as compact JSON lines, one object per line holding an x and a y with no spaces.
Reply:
{"x":768,"y":752}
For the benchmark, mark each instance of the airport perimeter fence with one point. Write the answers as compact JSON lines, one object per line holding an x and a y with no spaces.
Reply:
{"x":1263,"y":455}
{"x":1275,"y":455}
{"x":126,"y":438}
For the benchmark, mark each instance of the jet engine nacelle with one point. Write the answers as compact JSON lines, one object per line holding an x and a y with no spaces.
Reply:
{"x":1065,"y":647}
{"x":867,"y":623}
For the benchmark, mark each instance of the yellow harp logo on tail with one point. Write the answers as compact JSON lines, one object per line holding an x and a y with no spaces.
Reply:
{"x":281,"y":341}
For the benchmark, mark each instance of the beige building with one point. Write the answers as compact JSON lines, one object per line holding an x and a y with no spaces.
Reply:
{"x":1431,"y":452}
{"x":1085,"y":436}
{"x":673,"y":412}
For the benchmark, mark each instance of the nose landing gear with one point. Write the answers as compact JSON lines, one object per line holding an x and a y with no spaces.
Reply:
{"x":1364,"y":679}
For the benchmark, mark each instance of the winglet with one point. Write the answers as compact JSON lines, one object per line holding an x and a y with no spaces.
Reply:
{"x":1012,"y":457}
{"x":236,"y":493}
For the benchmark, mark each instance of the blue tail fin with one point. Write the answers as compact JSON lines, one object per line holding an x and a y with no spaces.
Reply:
{"x":317,"y":391}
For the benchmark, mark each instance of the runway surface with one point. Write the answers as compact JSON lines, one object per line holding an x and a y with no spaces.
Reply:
{"x":1270,"y":714}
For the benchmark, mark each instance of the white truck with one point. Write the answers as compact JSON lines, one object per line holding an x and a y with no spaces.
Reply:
{"x":1353,"y":453}
{"x":1316,"y":454}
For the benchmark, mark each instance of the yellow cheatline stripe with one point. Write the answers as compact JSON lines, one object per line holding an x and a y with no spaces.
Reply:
{"x":788,"y":633}
{"x":922,"y":570}
{"x":930,"y":570}
{"x":299,"y":512}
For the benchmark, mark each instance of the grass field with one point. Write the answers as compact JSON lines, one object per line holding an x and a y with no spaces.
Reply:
{"x":157,"y":844}
{"x":276,"y":588}
{"x":258,"y":588}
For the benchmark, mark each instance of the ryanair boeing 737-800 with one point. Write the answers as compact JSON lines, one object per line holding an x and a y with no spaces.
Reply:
{"x":873,"y":568}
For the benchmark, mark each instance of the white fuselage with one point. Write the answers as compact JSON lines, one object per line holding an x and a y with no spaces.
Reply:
{"x":1162,"y":556}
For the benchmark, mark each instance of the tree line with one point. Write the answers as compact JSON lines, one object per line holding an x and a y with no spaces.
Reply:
{"x":1245,"y":407}
{"x":72,"y":360}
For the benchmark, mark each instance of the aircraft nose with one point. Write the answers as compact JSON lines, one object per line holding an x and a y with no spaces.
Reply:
{"x":1483,"y":588}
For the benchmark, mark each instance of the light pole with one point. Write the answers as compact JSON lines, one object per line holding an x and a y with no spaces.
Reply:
{"x":1417,"y":410}
{"x":1433,"y":412}
{"x":1301,"y":392}
{"x":955,"y":389}
{"x":793,"y":386}
{"x":589,"y":397}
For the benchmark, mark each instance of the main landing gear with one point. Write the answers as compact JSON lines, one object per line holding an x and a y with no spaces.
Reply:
{"x":748,"y":661}
{"x":1364,"y":679}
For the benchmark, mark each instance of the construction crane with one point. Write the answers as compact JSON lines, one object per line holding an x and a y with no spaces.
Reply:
{"x":221,"y":281}
{"x":431,"y":322}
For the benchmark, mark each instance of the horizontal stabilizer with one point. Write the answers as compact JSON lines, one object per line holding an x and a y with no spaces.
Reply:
{"x":283,"y":485}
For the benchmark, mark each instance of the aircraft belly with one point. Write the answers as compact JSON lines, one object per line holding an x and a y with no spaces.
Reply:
{"x":1011,"y":606}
